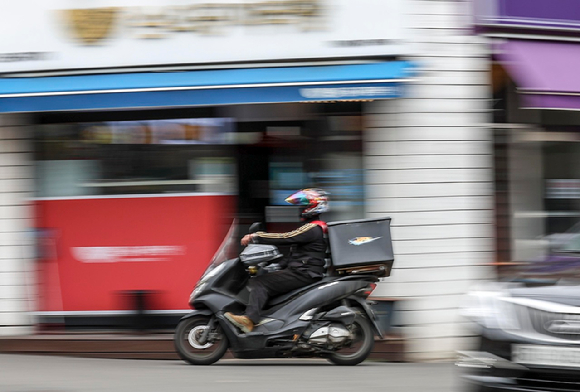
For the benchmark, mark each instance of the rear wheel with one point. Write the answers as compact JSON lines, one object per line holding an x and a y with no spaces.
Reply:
{"x":363,"y":340}
{"x":192,"y":349}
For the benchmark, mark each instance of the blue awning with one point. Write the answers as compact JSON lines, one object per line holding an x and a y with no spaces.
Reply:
{"x":205,"y":87}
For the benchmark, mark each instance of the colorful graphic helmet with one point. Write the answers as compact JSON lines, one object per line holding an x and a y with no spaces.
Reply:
{"x":315,"y":200}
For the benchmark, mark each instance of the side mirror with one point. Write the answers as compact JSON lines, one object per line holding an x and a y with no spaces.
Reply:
{"x":255,"y":227}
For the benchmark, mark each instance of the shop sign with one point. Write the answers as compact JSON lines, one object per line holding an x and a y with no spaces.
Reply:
{"x":499,"y":15}
{"x":325,"y":93}
{"x":119,"y":254}
{"x":71,"y":34}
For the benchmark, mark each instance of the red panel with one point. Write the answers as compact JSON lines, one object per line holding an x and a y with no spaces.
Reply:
{"x":97,"y":249}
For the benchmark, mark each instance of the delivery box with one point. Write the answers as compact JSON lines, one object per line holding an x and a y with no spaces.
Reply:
{"x":361,"y":246}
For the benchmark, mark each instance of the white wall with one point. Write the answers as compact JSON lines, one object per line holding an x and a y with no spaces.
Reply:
{"x":429,"y":157}
{"x":16,"y":242}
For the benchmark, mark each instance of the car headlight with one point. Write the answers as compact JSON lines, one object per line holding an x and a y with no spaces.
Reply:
{"x":490,"y":310}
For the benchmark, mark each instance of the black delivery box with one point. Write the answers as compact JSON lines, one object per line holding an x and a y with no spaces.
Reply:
{"x":361,"y":246}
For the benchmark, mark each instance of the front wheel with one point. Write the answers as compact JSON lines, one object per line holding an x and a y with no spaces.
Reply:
{"x":189,"y":346}
{"x":361,"y":345}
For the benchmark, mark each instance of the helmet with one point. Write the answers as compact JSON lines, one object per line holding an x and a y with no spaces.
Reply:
{"x":315,"y":200}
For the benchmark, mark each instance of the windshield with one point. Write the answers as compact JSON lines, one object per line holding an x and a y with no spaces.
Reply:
{"x":561,"y":263}
{"x":226,"y":251}
{"x":571,"y":246}
{"x":566,"y":242}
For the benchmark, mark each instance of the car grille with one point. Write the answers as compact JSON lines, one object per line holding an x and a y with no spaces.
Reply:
{"x":546,"y":323}
{"x":549,"y":382}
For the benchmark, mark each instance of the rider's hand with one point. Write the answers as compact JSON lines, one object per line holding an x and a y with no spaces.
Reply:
{"x":246,"y":240}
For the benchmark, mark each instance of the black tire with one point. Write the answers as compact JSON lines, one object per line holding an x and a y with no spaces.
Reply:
{"x":361,"y":347}
{"x":206,"y":354}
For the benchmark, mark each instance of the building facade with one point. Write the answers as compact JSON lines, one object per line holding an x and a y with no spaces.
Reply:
{"x":534,"y":55}
{"x":397,"y":125}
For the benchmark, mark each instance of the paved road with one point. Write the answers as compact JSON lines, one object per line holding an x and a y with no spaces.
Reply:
{"x":21,"y":373}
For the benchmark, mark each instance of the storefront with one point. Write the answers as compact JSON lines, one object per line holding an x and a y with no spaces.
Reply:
{"x":141,"y":205}
{"x":147,"y":119}
{"x":152,"y":128}
{"x":536,"y":48}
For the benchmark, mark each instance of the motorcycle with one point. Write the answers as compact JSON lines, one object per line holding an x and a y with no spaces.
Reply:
{"x":330,"y":319}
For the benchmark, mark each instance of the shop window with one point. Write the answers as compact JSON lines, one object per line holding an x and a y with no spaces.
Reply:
{"x":329,"y":157}
{"x":135,"y":157}
{"x":562,"y":186}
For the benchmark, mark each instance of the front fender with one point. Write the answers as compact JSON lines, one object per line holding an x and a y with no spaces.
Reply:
{"x":197,"y":312}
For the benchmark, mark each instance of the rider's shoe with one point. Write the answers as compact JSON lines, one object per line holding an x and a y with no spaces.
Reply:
{"x":242,"y":322}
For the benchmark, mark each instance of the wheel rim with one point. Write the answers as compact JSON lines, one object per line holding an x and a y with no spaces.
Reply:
{"x":358,"y":344}
{"x":190,"y":345}
{"x":193,"y":336}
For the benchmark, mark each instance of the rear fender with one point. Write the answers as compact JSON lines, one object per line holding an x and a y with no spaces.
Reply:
{"x":369,"y":313}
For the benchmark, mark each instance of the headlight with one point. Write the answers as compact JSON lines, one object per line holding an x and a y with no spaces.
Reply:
{"x":488,"y":309}
{"x":202,"y":282}
{"x":196,"y":291}
{"x":207,"y":276}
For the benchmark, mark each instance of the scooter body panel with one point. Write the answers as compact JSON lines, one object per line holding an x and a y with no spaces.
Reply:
{"x":317,"y":297}
{"x":196,"y":312}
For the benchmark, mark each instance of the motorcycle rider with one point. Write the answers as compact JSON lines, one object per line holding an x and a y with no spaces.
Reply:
{"x":305,"y":264}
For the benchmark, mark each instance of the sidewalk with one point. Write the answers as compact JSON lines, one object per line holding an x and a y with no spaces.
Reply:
{"x":128,"y":345}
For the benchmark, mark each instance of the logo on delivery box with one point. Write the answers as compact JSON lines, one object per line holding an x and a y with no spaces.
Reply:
{"x":362,"y":240}
{"x":117,"y":254}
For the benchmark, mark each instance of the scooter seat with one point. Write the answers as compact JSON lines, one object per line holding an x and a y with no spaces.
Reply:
{"x":285,"y":297}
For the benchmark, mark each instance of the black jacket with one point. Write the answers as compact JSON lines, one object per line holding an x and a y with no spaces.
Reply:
{"x":308,"y":248}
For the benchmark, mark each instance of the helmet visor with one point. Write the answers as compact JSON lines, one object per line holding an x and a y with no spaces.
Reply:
{"x":299,"y":199}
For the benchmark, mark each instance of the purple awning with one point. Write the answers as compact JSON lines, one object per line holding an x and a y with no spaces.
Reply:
{"x":547,"y":73}
{"x":533,"y":15}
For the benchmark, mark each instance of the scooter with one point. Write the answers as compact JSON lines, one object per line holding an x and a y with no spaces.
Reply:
{"x":330,"y":319}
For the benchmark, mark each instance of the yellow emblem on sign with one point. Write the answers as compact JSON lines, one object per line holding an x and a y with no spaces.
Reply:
{"x":92,"y":25}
